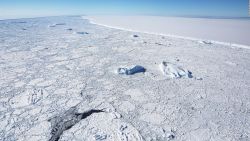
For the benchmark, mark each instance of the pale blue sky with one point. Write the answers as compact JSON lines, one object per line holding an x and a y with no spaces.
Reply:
{"x":29,"y":8}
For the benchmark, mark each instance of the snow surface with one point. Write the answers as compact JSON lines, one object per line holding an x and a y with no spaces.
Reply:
{"x":59,"y":85}
{"x":224,"y":31}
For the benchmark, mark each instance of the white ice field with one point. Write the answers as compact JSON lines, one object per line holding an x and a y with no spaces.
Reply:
{"x":226,"y":31}
{"x":58,"y":81}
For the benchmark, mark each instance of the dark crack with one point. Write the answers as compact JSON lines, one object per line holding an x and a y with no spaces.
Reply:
{"x":67,"y":120}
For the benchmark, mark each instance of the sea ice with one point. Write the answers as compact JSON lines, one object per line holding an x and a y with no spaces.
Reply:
{"x":52,"y":85}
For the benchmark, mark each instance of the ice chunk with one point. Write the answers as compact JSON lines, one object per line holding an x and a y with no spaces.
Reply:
{"x":60,"y":24}
{"x":57,"y":24}
{"x":29,"y":97}
{"x":206,"y":42}
{"x":82,"y":33}
{"x":135,"y":36}
{"x":100,"y":136}
{"x":131,"y":71}
{"x":174,"y":71}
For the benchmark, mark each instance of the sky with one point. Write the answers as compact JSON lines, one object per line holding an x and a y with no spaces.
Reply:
{"x":36,"y":8}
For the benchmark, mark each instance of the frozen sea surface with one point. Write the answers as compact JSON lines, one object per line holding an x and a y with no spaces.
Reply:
{"x":59,"y":84}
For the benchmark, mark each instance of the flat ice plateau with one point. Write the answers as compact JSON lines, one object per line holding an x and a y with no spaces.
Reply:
{"x":224,"y":31}
{"x":58,"y":82}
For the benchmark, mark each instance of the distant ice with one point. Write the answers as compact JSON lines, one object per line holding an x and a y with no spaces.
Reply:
{"x":233,"y":31}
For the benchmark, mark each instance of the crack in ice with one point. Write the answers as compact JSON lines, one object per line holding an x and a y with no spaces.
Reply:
{"x":67,"y":121}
